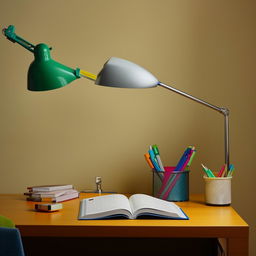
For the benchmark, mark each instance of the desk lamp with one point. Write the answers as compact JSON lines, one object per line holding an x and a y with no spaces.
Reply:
{"x":46,"y":74}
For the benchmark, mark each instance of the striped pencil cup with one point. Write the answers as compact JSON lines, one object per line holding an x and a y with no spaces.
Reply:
{"x":176,"y":190}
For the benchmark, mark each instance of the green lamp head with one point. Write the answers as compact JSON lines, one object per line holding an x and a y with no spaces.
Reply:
{"x":46,"y":74}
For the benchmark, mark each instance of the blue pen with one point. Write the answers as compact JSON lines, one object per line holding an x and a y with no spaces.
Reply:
{"x":183,"y":159}
{"x":231,"y":169}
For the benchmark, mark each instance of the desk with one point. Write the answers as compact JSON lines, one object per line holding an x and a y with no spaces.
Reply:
{"x":205,"y":222}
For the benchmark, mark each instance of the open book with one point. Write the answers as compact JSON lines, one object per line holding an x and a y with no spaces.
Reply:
{"x":138,"y":205}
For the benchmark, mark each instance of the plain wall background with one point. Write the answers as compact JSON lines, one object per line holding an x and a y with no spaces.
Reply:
{"x":71,"y":135}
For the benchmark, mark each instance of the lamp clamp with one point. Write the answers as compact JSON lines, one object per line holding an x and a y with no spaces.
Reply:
{"x":13,"y":37}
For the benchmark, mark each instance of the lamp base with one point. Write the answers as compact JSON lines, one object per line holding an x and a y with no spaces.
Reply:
{"x":98,"y":189}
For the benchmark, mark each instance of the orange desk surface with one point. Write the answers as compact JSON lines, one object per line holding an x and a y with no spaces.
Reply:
{"x":205,"y":221}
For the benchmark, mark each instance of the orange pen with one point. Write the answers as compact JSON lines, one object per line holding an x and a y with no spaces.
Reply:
{"x":147,"y":157}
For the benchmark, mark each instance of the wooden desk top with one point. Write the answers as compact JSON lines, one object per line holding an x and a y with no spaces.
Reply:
{"x":205,"y":221}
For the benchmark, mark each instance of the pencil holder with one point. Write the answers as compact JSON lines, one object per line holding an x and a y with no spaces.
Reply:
{"x":171,"y":185}
{"x":218,"y":190}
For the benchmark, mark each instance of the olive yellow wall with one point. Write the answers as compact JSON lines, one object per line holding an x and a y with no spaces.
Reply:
{"x":70,"y":135}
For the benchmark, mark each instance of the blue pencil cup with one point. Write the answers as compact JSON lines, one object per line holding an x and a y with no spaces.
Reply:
{"x":179,"y":191}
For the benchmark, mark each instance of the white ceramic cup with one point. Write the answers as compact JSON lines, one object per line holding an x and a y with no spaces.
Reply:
{"x":218,"y":190}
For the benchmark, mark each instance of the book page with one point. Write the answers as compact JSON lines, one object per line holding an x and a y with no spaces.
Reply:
{"x":104,"y":206}
{"x":141,"y":204}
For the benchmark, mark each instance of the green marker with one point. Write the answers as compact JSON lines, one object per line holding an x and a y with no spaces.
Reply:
{"x":159,"y":161}
{"x":191,"y":158}
{"x":155,"y":149}
{"x":208,"y":172}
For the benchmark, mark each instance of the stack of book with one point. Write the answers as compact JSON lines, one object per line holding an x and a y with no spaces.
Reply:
{"x":51,"y":193}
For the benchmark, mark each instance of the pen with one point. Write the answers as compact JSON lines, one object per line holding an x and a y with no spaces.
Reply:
{"x":224,"y":173}
{"x":208,"y":171}
{"x":153,"y":160}
{"x":220,"y":173}
{"x":231,"y":169}
{"x":188,"y":159}
{"x":147,"y":157}
{"x":183,"y":159}
{"x":192,"y":157}
{"x":157,"y":154}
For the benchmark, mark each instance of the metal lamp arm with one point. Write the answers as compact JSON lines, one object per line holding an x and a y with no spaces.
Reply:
{"x":222,"y":110}
{"x":124,"y":67}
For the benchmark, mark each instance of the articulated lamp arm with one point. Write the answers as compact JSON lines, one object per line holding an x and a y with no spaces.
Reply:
{"x":125,"y":74}
{"x":221,"y":110}
{"x":47,"y":74}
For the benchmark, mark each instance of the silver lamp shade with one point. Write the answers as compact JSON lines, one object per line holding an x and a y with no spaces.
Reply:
{"x":122,"y":73}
